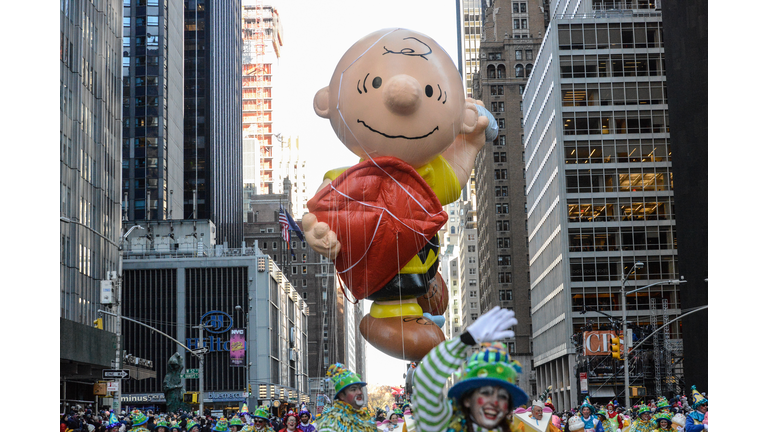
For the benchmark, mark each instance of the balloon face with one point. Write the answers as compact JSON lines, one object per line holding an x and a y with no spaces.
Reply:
{"x":396,"y":93}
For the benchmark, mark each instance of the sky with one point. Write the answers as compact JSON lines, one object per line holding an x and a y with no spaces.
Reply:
{"x":316,"y":35}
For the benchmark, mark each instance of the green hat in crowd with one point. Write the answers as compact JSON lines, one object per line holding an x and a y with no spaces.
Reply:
{"x":261,"y":413}
{"x":642,"y":409}
{"x":162,"y":423}
{"x":490,"y":367}
{"x":603,"y":413}
{"x":236,"y":422}
{"x":343,"y":377}
{"x":138,"y":418}
{"x":662,"y":403}
{"x":663,"y":416}
{"x":191,"y":424}
{"x":221,"y":426}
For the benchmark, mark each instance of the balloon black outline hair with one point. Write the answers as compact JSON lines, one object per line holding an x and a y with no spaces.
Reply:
{"x":410,"y":51}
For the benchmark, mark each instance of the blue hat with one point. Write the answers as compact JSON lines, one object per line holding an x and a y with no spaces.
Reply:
{"x":490,"y":367}
{"x":113,"y":421}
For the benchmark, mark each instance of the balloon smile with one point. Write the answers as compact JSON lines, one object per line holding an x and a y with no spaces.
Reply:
{"x":397,"y":136}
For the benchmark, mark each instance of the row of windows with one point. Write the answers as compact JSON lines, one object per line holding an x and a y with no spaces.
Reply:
{"x":528,"y":54}
{"x":615,"y":209}
{"x":612,"y":301}
{"x":616,"y":122}
{"x":616,"y":93}
{"x":610,"y":35}
{"x":589,"y":269}
{"x":623,"y":4}
{"x":612,"y":65}
{"x":633,"y":237}
{"x":504,"y":295}
{"x":610,"y":151}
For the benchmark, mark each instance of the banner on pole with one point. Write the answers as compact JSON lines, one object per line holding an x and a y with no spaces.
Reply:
{"x":237,"y":347}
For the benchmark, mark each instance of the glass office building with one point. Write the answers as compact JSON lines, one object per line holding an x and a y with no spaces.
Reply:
{"x":599,"y":188}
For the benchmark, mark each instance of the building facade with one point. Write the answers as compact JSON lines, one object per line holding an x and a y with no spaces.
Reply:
{"x":598,"y":160}
{"x":227,"y":290}
{"x":213,"y":139}
{"x":262,"y":42}
{"x":152,"y":113}
{"x":90,"y":137}
{"x":512,"y":34}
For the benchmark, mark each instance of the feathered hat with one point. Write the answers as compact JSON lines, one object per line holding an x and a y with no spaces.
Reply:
{"x":490,"y":366}
{"x":698,"y":399}
{"x":343,"y":378}
{"x":589,"y":405}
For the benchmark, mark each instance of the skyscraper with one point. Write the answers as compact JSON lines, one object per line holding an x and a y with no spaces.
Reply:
{"x":512,"y":34}
{"x":262,"y":42}
{"x":90,"y":134}
{"x":213,"y":140}
{"x":599,"y":196}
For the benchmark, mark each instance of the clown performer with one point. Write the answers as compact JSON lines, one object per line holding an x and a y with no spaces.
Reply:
{"x":537,"y":418}
{"x":587,"y":413}
{"x":694,"y":422}
{"x":643,"y":422}
{"x":602,"y":415}
{"x":346,"y":413}
{"x":662,"y":407}
{"x":291,"y":422}
{"x":395,"y":100}
{"x":486,"y":394}
{"x":162,"y":425}
{"x":664,"y":423}
{"x":261,"y":420}
{"x":305,"y":417}
{"x":113,"y":424}
{"x":138,"y":420}
{"x":616,"y":419}
{"x":395,"y":421}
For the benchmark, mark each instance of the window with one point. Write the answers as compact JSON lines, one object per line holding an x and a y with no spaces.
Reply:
{"x":494,"y":56}
{"x":500,"y":174}
{"x":473,"y":316}
{"x":501,"y":191}
{"x":501,"y":123}
{"x":502,"y":242}
{"x":529,"y":54}
{"x":522,"y":88}
{"x":524,"y":23}
{"x":500,"y":156}
{"x":505,"y":260}
{"x":471,"y":248}
{"x":516,"y":24}
{"x":519,"y":71}
{"x":501,"y":106}
{"x":473,"y":294}
{"x":518,"y":54}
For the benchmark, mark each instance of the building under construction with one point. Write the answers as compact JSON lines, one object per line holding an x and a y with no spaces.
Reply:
{"x":262,"y":40}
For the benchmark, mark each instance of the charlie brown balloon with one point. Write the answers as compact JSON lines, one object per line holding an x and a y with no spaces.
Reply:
{"x":397,"y":101}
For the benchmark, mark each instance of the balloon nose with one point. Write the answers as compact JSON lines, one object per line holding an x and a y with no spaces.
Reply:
{"x":402,"y":94}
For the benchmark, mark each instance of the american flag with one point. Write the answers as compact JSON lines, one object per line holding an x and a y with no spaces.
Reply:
{"x":283,"y":218}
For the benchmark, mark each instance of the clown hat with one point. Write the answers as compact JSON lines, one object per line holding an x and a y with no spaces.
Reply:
{"x":549,"y":404}
{"x":304,"y":411}
{"x":261,"y":413}
{"x":602,"y":412}
{"x":663,"y":416}
{"x":221,"y":426}
{"x":490,"y":366}
{"x":698,"y":399}
{"x":174,"y":426}
{"x":662,"y":403}
{"x":343,"y":378}
{"x":191,"y":425}
{"x":642,"y":409}
{"x":236,"y":422}
{"x":138,"y":418}
{"x":162,"y":423}
{"x":244,"y":410}
{"x":589,"y":405}
{"x":113,"y":421}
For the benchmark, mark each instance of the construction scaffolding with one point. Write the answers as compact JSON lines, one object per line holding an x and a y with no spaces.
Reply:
{"x":260,"y":32}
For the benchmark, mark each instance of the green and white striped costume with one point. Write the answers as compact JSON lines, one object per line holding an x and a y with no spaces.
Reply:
{"x":433,"y":412}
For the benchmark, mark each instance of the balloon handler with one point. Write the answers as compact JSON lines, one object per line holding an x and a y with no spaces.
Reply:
{"x":485,"y":396}
{"x":395,"y":100}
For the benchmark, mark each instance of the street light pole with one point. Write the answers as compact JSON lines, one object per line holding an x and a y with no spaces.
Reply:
{"x":624,"y":330}
{"x":247,"y":349}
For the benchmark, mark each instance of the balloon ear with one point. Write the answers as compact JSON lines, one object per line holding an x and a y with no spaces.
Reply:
{"x":321,"y":102}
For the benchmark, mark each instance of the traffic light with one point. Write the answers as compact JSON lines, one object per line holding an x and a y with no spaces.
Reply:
{"x":616,"y":348}
{"x":249,"y":390}
{"x":190,"y":397}
{"x":99,"y":323}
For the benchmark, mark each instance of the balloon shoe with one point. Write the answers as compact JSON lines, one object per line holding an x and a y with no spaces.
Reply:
{"x":400,"y":330}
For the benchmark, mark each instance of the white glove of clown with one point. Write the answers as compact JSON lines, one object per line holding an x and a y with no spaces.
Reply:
{"x":493,"y":325}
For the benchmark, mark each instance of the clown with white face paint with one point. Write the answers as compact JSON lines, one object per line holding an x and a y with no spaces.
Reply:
{"x":485,"y":396}
{"x":348,"y":410}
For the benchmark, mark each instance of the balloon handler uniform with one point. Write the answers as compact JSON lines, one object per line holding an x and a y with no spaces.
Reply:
{"x":396,"y":101}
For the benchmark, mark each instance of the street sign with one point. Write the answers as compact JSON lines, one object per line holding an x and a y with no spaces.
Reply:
{"x":114,"y":373}
{"x":113,"y":386}
{"x":584,"y":382}
{"x":200,"y":351}
{"x":190,"y":375}
{"x":192,"y":371}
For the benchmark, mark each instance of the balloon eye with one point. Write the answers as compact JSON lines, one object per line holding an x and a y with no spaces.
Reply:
{"x":428,"y":91}
{"x":377,"y":82}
